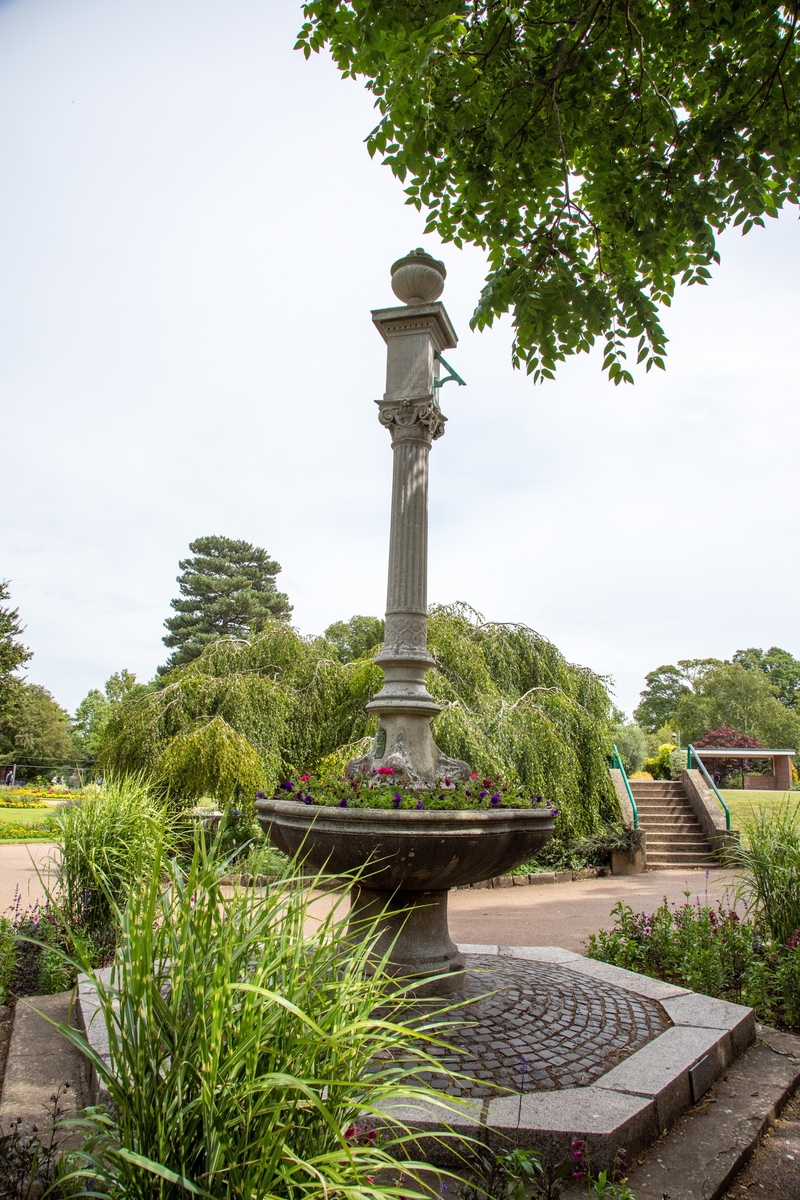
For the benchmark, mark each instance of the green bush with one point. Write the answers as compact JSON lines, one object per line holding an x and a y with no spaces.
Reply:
{"x":659,"y":765}
{"x":7,"y":957}
{"x":708,"y":950}
{"x":631,"y":741}
{"x":248,"y":1046}
{"x":769,"y":858}
{"x":109,"y":843}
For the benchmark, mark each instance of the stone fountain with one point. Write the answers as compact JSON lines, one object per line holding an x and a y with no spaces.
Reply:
{"x":411,"y":859}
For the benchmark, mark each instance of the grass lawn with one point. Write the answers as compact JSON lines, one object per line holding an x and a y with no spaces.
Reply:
{"x":746,"y":805}
{"x":23,"y":816}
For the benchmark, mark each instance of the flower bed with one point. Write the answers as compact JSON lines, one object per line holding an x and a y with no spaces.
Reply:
{"x":379,"y":790}
{"x":22,"y":802}
{"x":44,"y":832}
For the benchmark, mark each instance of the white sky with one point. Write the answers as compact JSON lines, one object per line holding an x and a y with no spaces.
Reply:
{"x":192,"y":235}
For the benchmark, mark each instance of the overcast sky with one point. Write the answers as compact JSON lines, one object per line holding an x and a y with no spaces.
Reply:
{"x":192,"y":236}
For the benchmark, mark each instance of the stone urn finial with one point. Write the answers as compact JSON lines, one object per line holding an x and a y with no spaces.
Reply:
{"x":418,"y":278}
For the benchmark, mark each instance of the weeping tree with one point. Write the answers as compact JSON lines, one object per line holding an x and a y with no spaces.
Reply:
{"x":244,"y":714}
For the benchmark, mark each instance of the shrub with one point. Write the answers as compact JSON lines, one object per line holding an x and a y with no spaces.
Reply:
{"x":247,"y":1046}
{"x":631,"y":741}
{"x":107,"y":842}
{"x":7,"y":957}
{"x":659,"y":765}
{"x":769,"y":858}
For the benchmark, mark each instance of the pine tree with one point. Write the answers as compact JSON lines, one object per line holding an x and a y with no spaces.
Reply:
{"x":227,"y":591}
{"x":12,"y":652}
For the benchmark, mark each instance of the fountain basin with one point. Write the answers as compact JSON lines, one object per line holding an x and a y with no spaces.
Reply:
{"x":412,"y":859}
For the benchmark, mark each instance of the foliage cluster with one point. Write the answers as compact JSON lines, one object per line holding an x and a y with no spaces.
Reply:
{"x":593,"y":151}
{"x":12,"y":652}
{"x":248,"y":1047}
{"x":42,"y":831}
{"x":109,"y":845}
{"x":227,"y":590}
{"x":755,"y":694}
{"x":236,"y":719}
{"x":752,"y":959}
{"x":35,"y":730}
{"x":379,"y":791}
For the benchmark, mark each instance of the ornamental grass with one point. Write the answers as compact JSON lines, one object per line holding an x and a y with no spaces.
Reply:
{"x":252,"y":1048}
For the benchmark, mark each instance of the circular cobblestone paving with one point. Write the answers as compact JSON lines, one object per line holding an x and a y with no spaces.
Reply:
{"x":543,"y":1027}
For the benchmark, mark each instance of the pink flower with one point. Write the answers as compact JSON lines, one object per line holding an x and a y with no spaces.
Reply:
{"x":304,"y":778}
{"x":384,"y":771}
{"x":474,"y":775}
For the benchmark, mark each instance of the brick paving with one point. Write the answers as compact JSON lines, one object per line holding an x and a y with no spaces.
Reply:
{"x":544,"y":1027}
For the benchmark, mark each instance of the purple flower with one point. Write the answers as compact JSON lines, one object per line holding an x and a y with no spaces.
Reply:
{"x":553,"y":811}
{"x":343,"y":802}
{"x":442,"y":797}
{"x":397,"y":800}
{"x":482,"y":795}
{"x":260,"y":796}
{"x":524,"y":1065}
{"x":495,"y":800}
{"x":420,"y":804}
{"x":467,"y":792}
{"x":308,"y":799}
{"x":286,"y":786}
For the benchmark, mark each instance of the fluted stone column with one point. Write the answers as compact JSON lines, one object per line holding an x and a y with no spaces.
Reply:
{"x":410,"y":412}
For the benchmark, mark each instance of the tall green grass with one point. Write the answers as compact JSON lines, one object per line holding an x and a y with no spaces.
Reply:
{"x":247,"y":1049}
{"x":109,"y":842}
{"x":769,"y":858}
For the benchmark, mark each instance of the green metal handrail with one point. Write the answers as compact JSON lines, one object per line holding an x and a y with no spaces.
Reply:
{"x":616,"y":765}
{"x":693,"y":754}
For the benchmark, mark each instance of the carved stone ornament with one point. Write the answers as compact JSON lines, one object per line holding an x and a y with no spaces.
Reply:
{"x":418,"y":278}
{"x":413,"y":416}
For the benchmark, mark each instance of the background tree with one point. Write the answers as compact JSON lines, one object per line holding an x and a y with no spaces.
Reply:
{"x":93,"y":712}
{"x":659,"y":700}
{"x":242,"y":715}
{"x":781,"y":668}
{"x":742,"y":699}
{"x":355,"y":638}
{"x":631,"y":741}
{"x":12,"y":652}
{"x":227,"y":590}
{"x":593,"y":150}
{"x":35,"y":731}
{"x":727,"y":737}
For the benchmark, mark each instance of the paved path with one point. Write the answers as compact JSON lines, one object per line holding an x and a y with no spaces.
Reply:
{"x":564,"y":914}
{"x":21,"y":864}
{"x":554,"y":914}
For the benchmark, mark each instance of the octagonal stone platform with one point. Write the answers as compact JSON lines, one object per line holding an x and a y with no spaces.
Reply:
{"x":568,"y":1048}
{"x":557,"y":1046}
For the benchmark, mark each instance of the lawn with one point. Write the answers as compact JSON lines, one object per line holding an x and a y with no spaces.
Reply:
{"x":23,"y":816}
{"x":746,"y":805}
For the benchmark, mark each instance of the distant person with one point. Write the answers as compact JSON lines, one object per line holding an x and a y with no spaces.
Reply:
{"x":9,"y":778}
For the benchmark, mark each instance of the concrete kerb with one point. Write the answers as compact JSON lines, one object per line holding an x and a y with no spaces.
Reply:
{"x":629,"y":1106}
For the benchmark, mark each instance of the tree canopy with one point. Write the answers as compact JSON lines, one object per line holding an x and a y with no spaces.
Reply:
{"x":245,"y":714}
{"x":227,"y":590}
{"x":753,"y":694}
{"x":35,"y":730}
{"x":12,"y":652}
{"x":355,"y":638}
{"x":93,"y":712}
{"x":594,"y":149}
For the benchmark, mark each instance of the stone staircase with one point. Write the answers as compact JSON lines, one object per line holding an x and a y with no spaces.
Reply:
{"x":674,"y":836}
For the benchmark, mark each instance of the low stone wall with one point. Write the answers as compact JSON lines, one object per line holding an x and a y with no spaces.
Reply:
{"x":500,"y":881}
{"x":709,"y":811}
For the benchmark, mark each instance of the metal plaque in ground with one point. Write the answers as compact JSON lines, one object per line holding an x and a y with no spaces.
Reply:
{"x":540,"y":1027}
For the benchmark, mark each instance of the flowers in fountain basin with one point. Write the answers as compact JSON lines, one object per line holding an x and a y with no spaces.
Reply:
{"x":383,"y":789}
